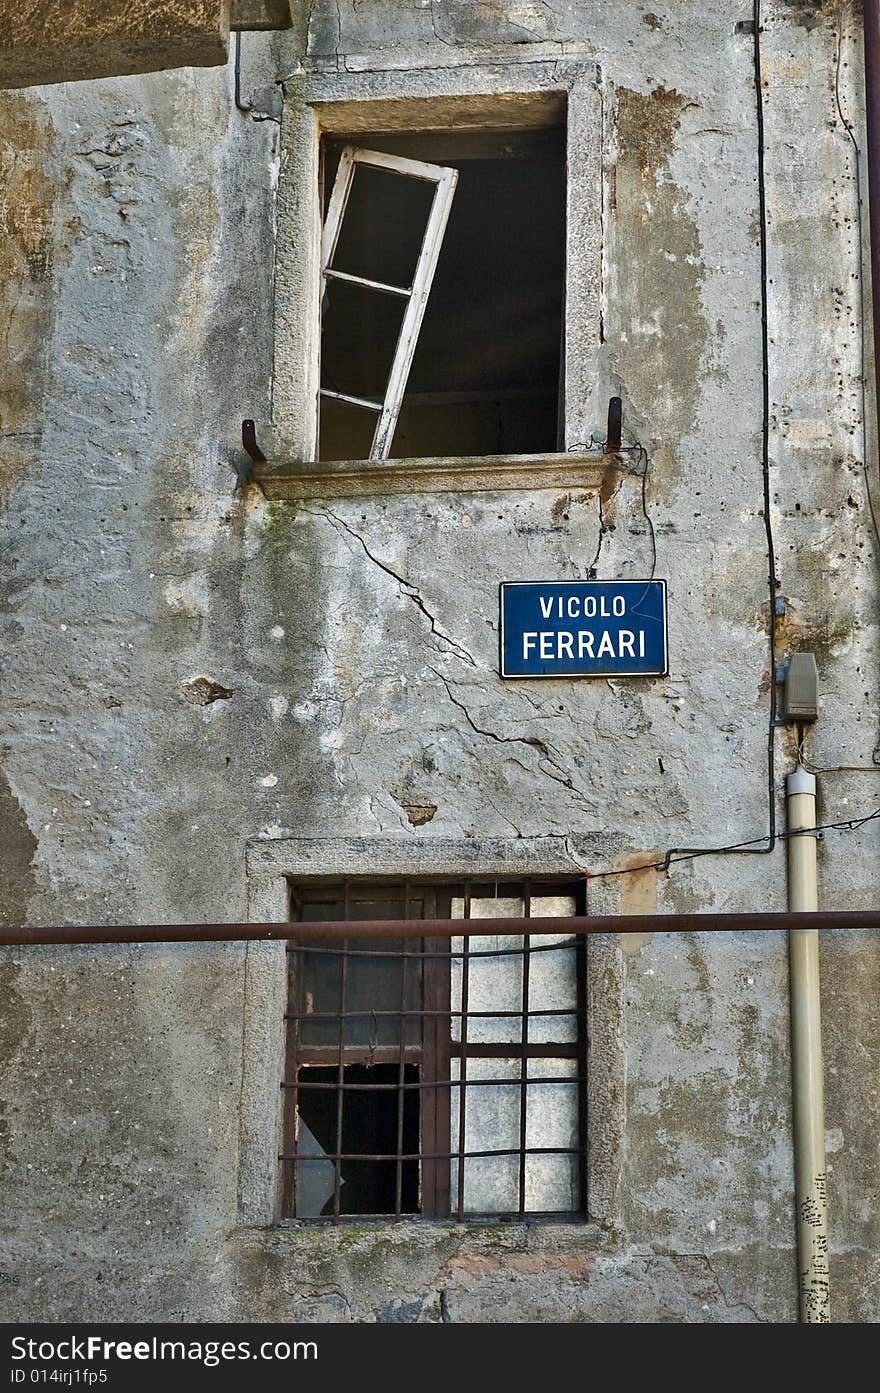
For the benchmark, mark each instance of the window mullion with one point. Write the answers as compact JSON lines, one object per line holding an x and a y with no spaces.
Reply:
{"x":524,"y":1063}
{"x":435,"y":1133}
{"x":401,"y":1068}
{"x":340,"y":1067}
{"x":414,"y":314}
{"x":336,"y":207}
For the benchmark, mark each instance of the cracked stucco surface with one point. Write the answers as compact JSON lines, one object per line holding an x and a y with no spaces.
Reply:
{"x":357,"y":644}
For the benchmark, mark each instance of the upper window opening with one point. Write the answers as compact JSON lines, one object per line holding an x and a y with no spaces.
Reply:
{"x":442,"y":299}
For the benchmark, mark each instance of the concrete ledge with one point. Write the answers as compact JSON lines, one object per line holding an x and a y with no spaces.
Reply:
{"x":44,"y":41}
{"x":467,"y":474}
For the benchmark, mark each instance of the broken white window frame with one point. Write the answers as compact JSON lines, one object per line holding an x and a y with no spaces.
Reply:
{"x":416,"y":294}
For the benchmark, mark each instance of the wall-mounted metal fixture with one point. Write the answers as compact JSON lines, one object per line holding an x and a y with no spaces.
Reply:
{"x":615,"y":423}
{"x":249,"y":441}
{"x":802,"y":688}
{"x":244,"y":469}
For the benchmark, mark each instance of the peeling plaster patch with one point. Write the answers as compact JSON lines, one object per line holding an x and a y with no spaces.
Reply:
{"x":269,"y":781}
{"x":638,"y":895}
{"x":807,"y":16}
{"x":419,"y":813}
{"x":276,"y":632}
{"x":202,"y":691}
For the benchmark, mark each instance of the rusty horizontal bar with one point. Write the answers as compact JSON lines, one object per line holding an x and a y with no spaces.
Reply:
{"x":564,"y":945}
{"x":376,"y":1015}
{"x":430,"y":1156}
{"x":533,"y":1080}
{"x":439,"y":928}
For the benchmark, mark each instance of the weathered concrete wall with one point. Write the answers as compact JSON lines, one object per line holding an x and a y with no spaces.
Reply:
{"x":353,"y":650}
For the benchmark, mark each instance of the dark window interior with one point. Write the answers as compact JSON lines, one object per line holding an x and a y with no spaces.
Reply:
{"x":369,"y":1126}
{"x":486,"y":375}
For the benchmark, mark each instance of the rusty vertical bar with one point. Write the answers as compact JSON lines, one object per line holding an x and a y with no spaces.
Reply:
{"x":340,"y":1068}
{"x":582,"y":1037}
{"x":436,"y":1116}
{"x":401,"y":1069}
{"x":290,"y":1125}
{"x":462,"y":1064}
{"x":524,"y":1062}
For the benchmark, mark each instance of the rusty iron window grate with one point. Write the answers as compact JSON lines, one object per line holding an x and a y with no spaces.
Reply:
{"x":435,"y":1078}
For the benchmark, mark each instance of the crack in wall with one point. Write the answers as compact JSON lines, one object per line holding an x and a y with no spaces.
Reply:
{"x":555,"y":772}
{"x":407,"y":588}
{"x":733,"y":1305}
{"x":706,"y":1260}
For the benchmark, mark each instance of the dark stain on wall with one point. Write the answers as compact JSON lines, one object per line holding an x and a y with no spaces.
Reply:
{"x":659,"y":306}
{"x":26,"y":218}
{"x":15,"y":1019}
{"x":18,"y":844}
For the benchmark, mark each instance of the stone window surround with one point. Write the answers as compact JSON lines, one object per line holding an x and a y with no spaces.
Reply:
{"x":272,"y":864}
{"x":516,"y":95}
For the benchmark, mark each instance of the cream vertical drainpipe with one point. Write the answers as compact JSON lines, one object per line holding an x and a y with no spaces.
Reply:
{"x":806,"y":1057}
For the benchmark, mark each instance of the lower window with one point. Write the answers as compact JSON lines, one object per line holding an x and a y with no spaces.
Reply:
{"x":435,"y":1077}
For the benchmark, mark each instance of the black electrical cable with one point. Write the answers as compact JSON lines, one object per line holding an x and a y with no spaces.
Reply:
{"x":851,"y":824}
{"x":857,"y":152}
{"x":638,"y":449}
{"x":832,"y":768}
{"x":754,"y":846}
{"x":648,"y":518}
{"x":749,"y":848}
{"x":762,"y":846}
{"x":860,"y":210}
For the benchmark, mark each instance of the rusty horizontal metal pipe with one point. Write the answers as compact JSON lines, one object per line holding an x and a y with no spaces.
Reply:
{"x":439,"y":928}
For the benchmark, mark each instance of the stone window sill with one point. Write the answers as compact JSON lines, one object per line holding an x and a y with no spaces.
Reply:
{"x":298,"y":480}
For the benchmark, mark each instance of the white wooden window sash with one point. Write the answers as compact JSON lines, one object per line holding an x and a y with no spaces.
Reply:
{"x":416,"y":294}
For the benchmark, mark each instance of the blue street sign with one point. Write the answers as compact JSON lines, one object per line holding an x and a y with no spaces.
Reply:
{"x":583,"y":628}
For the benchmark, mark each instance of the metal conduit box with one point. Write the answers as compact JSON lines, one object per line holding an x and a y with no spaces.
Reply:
{"x":802,"y":688}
